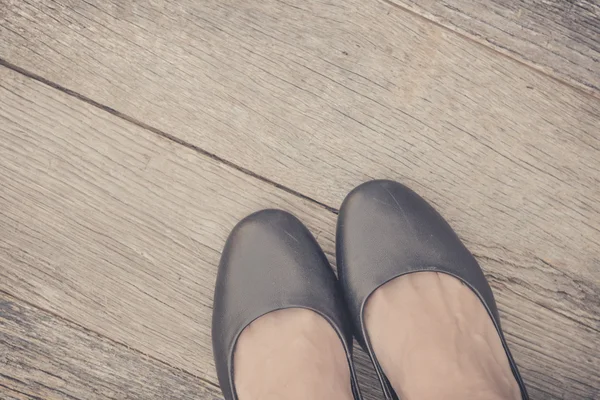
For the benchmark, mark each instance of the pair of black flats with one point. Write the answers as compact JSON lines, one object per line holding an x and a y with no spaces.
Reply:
{"x":385,"y":230}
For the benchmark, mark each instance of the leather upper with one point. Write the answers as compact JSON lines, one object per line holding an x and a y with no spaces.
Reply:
{"x":386,"y":230}
{"x":271,"y":262}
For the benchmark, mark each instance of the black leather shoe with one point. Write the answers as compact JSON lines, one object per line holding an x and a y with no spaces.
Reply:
{"x":272,"y":262}
{"x":386,"y":230}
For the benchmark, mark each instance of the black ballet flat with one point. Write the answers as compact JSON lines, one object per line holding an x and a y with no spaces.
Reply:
{"x":386,"y":230}
{"x":272,"y":262}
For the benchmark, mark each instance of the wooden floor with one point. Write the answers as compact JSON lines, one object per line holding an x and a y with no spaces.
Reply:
{"x":134,"y":134}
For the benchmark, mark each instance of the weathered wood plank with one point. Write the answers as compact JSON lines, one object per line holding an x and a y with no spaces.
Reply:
{"x":44,"y":357}
{"x":118,"y":229}
{"x":559,"y":37}
{"x":321,"y":96}
{"x":94,"y":206}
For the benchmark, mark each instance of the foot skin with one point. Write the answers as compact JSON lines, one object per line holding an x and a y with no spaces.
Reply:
{"x":291,"y":354}
{"x":434,"y":339}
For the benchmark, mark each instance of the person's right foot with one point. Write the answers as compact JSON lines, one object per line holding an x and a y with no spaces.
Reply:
{"x":420,"y":300}
{"x":435,"y":340}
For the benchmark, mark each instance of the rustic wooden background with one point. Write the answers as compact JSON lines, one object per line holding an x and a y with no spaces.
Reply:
{"x":135,"y":134}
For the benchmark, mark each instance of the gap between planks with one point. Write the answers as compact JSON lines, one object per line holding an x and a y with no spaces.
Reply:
{"x":580,"y":87}
{"x":48,"y":356}
{"x":85,"y":329}
{"x":161,"y":133}
{"x":249,"y":172}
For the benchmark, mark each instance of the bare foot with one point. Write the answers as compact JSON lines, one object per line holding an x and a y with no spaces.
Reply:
{"x":291,"y":354}
{"x":434,"y":339}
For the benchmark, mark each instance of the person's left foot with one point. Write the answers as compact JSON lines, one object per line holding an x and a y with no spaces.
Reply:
{"x":291,"y":354}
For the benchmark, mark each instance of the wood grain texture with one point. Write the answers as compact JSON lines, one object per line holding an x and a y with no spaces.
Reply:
{"x":44,"y":357}
{"x":318,"y":98}
{"x":322,"y":96}
{"x":561,"y":38}
{"x":118,"y":229}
